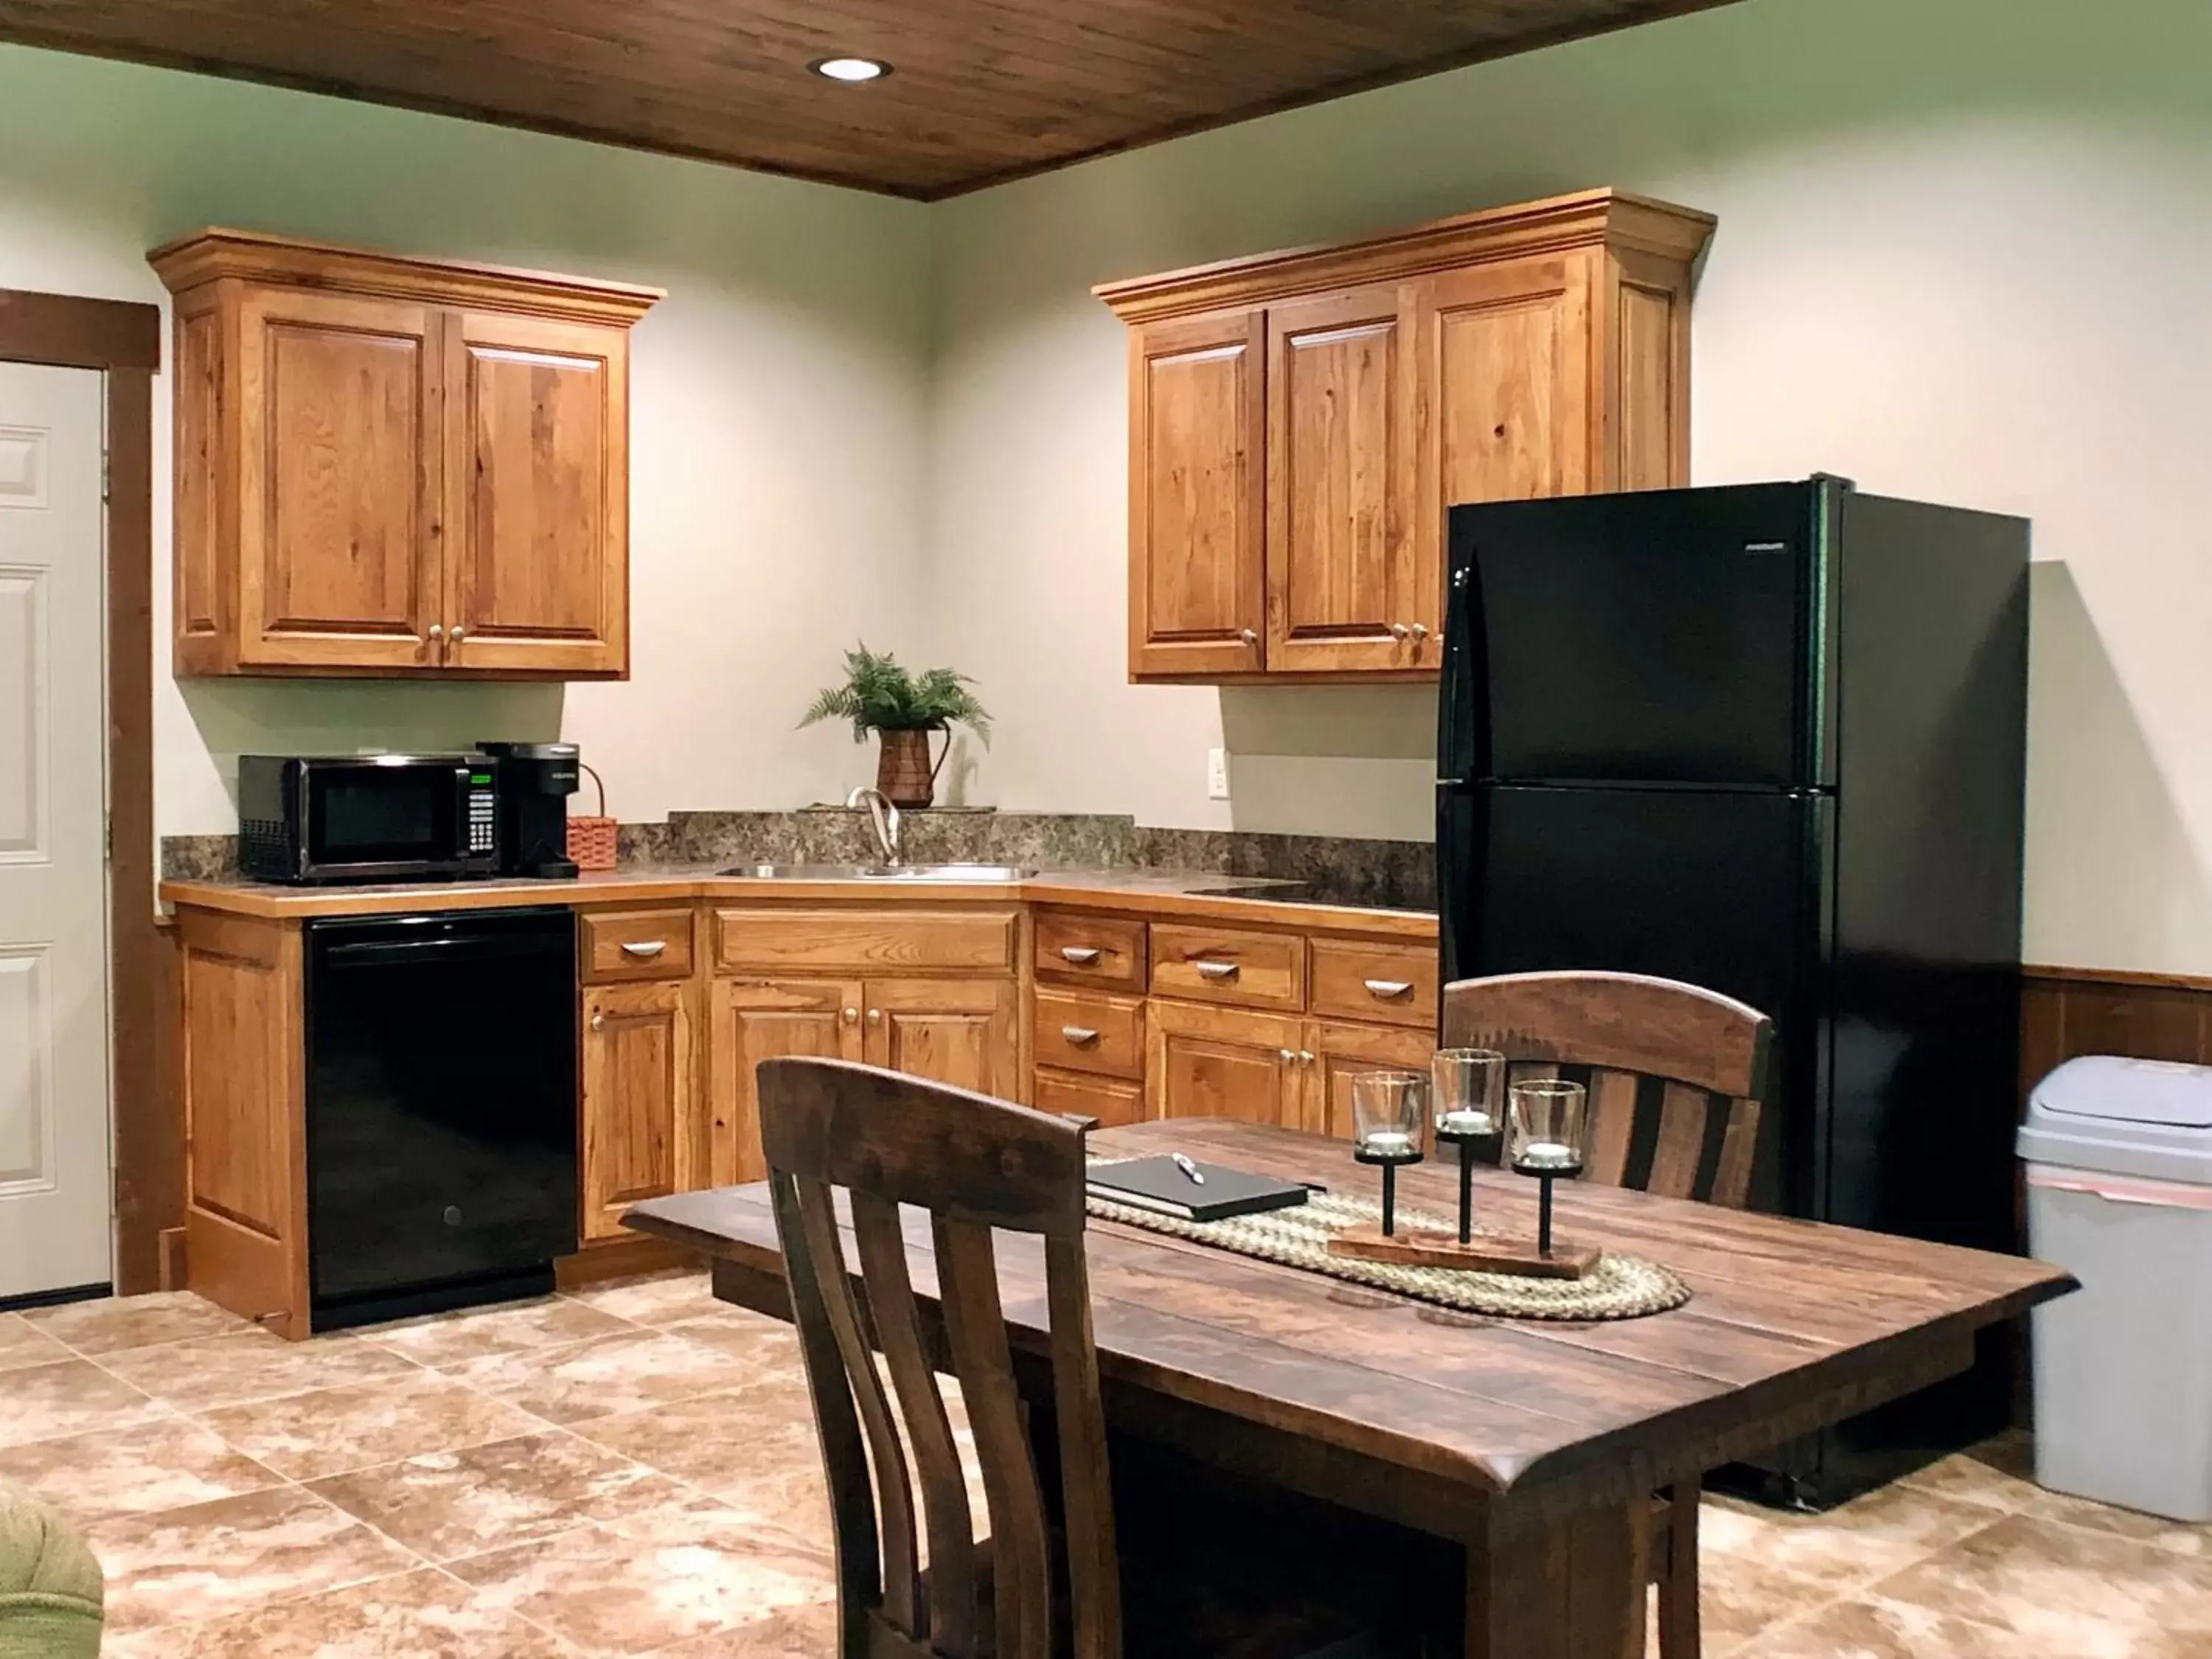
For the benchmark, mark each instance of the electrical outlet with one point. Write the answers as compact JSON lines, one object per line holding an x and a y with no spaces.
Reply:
{"x":1217,"y":774}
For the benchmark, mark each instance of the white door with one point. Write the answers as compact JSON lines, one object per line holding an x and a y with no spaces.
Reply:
{"x":54,"y":1178}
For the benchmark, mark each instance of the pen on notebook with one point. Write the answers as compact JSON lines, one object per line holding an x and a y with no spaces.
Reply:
{"x":1187,"y":1167}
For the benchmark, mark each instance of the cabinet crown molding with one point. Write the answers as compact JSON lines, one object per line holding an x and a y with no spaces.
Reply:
{"x":1591,"y":218}
{"x":216,"y":252}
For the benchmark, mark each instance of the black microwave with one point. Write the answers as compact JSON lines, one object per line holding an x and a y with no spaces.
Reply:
{"x":367,"y":818}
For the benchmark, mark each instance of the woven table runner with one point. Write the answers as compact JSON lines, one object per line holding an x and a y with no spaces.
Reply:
{"x":1619,"y":1287}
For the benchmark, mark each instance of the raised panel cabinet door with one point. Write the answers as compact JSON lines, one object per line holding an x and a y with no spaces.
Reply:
{"x":641,"y":1131}
{"x":1344,"y":589}
{"x":964,"y":1032}
{"x":339,"y":476}
{"x":537,"y":441}
{"x":1197,"y":483}
{"x":1332,"y":1055}
{"x":1503,"y":390}
{"x":1223,"y":1062}
{"x":752,"y":1020}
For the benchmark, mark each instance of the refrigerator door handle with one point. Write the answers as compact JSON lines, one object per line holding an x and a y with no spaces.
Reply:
{"x":1456,"y":691}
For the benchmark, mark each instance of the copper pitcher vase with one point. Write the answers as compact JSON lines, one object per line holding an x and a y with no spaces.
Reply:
{"x":904,"y":771}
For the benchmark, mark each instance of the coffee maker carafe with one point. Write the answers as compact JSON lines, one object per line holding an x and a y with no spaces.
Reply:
{"x":535,"y":782}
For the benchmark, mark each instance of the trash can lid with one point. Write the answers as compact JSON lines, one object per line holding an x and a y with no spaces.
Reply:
{"x":2129,"y":1092}
{"x":2142,"y":1117}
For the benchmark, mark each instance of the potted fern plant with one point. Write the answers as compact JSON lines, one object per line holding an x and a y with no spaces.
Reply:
{"x":902,"y":708}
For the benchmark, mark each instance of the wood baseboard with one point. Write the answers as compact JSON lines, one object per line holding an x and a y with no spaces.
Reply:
{"x":618,"y":1258}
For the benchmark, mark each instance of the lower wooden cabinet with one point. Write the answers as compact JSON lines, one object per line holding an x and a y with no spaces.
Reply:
{"x":961,"y":1031}
{"x":640,"y":1126}
{"x":1113,"y":1101}
{"x":964,"y":1032}
{"x":753,"y":1020}
{"x":1222,"y":1062}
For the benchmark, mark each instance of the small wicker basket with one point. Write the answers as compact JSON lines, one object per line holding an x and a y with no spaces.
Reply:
{"x":592,"y":839}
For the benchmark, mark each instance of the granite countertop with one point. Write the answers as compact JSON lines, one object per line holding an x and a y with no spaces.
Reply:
{"x":1198,"y":894}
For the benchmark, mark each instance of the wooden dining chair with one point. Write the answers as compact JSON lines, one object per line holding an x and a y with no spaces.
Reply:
{"x":1047,"y":1581}
{"x":1676,"y":1075}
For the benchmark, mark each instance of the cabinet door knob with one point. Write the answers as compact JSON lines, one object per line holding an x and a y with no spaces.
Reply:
{"x":875,"y":1016}
{"x":1420,"y":630}
{"x":647,"y":948}
{"x":458,"y":632}
{"x":1081,"y":955}
{"x":437,"y":630}
{"x":852,"y":1015}
{"x":1079,"y":1035}
{"x":1245,"y":637}
{"x":1389,"y":989}
{"x":599,"y":1022}
{"x":1290,"y":1056}
{"x":1399,"y":630}
{"x":1306,"y":1057}
{"x":1217,"y":971}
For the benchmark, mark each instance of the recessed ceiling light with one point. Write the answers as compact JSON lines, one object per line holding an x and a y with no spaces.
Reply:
{"x":851,"y":69}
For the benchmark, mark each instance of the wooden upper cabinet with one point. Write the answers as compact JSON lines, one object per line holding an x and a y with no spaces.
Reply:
{"x":537,"y":561}
{"x":1541,"y":350}
{"x":1197,"y":601}
{"x":389,"y":465}
{"x":1344,"y":588}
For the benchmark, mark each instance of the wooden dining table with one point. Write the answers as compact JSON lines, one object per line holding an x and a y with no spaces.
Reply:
{"x":1527,"y":1451}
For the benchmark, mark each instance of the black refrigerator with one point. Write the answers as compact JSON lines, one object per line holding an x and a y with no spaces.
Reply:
{"x":1769,"y":739}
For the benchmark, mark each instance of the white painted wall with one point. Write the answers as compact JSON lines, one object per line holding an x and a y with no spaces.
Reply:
{"x":777,"y":410}
{"x":1963,"y":253}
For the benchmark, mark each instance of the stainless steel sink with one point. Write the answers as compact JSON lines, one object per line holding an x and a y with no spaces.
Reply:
{"x":877,"y":873}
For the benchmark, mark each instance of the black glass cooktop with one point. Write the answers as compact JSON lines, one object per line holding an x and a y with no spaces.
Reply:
{"x":1376,"y":892}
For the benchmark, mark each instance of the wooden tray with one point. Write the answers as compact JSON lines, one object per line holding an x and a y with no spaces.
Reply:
{"x":1416,"y":1247}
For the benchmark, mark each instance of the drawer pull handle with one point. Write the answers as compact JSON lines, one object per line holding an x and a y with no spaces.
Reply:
{"x":1079,"y":1035}
{"x":1389,"y":989}
{"x":1217,"y":971}
{"x":645,"y":948}
{"x":1081,"y":955}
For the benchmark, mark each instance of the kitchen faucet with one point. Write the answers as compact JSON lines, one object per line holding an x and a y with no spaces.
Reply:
{"x":884,"y":816}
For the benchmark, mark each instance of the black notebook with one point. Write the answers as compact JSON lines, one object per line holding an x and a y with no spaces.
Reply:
{"x":1159,"y":1183}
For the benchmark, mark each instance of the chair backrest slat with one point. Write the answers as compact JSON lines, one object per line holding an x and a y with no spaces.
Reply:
{"x":825,"y":1261}
{"x":837,"y":1424}
{"x":1613,"y":1124}
{"x":976,"y":1331}
{"x":950,"y":1529}
{"x":1691,"y":1131}
{"x":973,"y":1165}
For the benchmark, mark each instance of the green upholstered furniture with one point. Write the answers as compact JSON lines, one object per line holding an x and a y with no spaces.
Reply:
{"x":50,"y":1584}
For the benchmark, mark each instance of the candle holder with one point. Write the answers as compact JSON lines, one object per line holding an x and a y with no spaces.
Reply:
{"x":1547,"y":1127}
{"x":1387,"y":1110}
{"x":1470,"y":1087}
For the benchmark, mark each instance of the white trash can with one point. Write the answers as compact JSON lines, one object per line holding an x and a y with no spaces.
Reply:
{"x":2119,"y":1194}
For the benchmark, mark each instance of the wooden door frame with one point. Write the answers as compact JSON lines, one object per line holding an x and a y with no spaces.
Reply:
{"x":121,"y":340}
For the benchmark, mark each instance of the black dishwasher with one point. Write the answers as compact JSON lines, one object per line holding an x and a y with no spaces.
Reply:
{"x":442,"y":1110}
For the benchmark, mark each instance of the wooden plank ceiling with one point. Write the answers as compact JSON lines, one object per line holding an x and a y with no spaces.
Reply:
{"x":982,"y":90}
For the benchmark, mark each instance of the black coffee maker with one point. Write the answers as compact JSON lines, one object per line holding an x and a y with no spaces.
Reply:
{"x":535,"y":782}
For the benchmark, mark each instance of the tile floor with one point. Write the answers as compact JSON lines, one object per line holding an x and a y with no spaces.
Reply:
{"x":631,"y":1470}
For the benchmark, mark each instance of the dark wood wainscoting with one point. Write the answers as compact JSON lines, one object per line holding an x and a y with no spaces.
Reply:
{"x":2069,"y":1011}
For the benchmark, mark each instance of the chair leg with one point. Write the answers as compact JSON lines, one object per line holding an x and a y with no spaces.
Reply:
{"x":1679,"y":1634}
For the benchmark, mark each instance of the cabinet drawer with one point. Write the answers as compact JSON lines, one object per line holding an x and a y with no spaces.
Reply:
{"x":1397,"y":983}
{"x":1225,"y":964}
{"x":1089,"y":1032}
{"x":1073,"y":949}
{"x":1109,"y":1100}
{"x":862,"y":939}
{"x":620,"y":945}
